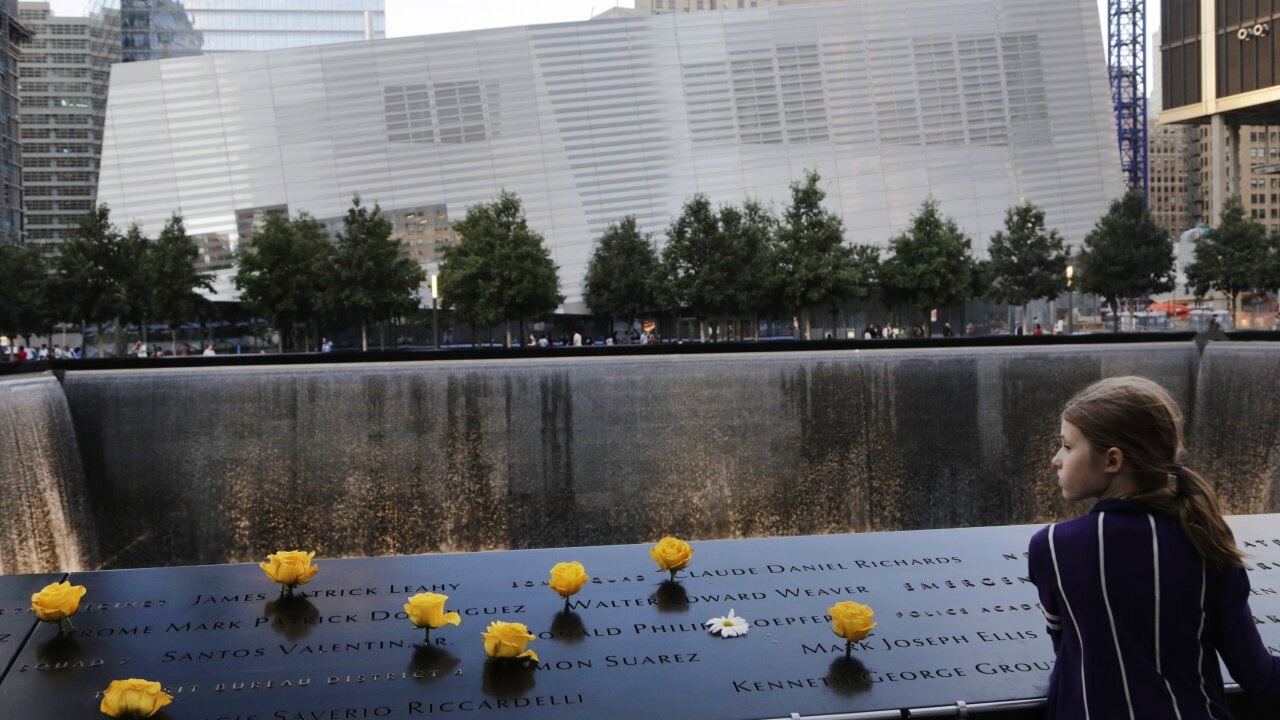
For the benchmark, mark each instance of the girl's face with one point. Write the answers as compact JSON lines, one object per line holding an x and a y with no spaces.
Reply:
{"x":1081,"y":470}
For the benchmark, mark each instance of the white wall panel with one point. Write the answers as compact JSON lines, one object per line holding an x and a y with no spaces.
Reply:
{"x":977,"y":102}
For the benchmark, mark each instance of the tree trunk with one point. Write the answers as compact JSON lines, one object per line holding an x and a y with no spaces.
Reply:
{"x":382,"y":335}
{"x":280,"y":339}
{"x":1114,"y":304}
{"x":173,"y":333}
{"x":1231,"y":298}
{"x":364,"y":335}
{"x":506,"y":327}
{"x":702,"y":330}
{"x":119,"y":338}
{"x":1026,"y":330}
{"x":805,"y":327}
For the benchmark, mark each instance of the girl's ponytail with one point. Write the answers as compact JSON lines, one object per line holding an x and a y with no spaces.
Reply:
{"x":1188,"y":498}
{"x":1140,"y":418}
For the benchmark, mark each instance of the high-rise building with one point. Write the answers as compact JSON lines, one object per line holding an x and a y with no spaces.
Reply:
{"x":64,"y":74}
{"x":158,"y":29}
{"x":66,"y":68}
{"x":1174,"y":177}
{"x":13,"y":34}
{"x":1256,"y":178}
{"x":1220,"y":70}
{"x":150,"y":29}
{"x":1260,"y":174}
{"x":889,"y":100}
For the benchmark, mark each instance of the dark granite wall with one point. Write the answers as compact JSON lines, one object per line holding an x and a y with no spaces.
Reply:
{"x":208,"y":465}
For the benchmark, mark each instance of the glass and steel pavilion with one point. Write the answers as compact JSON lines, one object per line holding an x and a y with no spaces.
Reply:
{"x":979,"y":103}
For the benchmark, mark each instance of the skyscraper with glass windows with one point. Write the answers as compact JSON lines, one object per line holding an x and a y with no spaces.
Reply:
{"x":159,"y":29}
{"x":13,"y":34}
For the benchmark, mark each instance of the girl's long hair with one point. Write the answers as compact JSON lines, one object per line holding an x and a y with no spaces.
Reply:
{"x":1140,"y":418}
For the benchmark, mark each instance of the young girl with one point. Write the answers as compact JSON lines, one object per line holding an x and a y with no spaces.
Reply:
{"x":1144,"y":593}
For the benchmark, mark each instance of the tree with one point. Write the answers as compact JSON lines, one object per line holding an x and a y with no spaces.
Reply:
{"x":173,"y":277}
{"x":284,"y":272}
{"x":931,"y":266}
{"x":699,"y":267}
{"x":1232,"y":258}
{"x":813,"y":266}
{"x":1126,"y":254}
{"x":499,"y":270}
{"x":622,"y":274}
{"x":1028,"y":260}
{"x":133,"y":277}
{"x":751,"y":232}
{"x":86,"y":280}
{"x":374,"y":279}
{"x":24,"y":289}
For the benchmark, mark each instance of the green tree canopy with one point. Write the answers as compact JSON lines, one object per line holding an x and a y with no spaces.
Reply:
{"x":1126,"y":254}
{"x":1233,"y":257}
{"x":1028,"y":260}
{"x":698,"y":265}
{"x":88,"y":270}
{"x":374,"y":278}
{"x":622,"y":273}
{"x":24,"y":290}
{"x":749,"y":232}
{"x":931,"y":266}
{"x":812,"y":265}
{"x":137,"y":291}
{"x":173,"y":276}
{"x":499,"y":270}
{"x":285,"y":272}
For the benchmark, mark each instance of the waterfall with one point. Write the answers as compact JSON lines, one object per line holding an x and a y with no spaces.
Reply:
{"x":227,"y":464}
{"x":42,"y":489}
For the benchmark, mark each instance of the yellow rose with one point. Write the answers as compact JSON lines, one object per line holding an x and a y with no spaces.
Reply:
{"x":567,"y":578}
{"x":508,"y":640}
{"x":57,"y":601}
{"x":133,"y":698}
{"x":671,"y":554}
{"x":852,"y":621}
{"x":426,"y":610}
{"x":290,"y":567}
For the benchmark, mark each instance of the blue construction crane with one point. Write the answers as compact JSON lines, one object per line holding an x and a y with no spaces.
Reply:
{"x":1127,"y":67}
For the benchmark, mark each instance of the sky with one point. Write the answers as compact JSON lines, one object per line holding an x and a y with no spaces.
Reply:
{"x":422,"y":17}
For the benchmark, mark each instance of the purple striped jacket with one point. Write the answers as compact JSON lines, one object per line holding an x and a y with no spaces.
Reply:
{"x":1138,"y":620}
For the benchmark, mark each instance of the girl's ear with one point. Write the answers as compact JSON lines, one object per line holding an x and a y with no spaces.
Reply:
{"x":1115,"y":460}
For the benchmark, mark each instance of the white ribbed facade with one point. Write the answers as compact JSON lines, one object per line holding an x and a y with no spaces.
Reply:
{"x":979,"y":102}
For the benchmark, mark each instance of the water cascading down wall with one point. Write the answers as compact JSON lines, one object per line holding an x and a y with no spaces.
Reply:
{"x":210,"y":465}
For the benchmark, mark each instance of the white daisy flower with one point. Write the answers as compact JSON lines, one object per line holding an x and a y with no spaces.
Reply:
{"x":728,"y":626}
